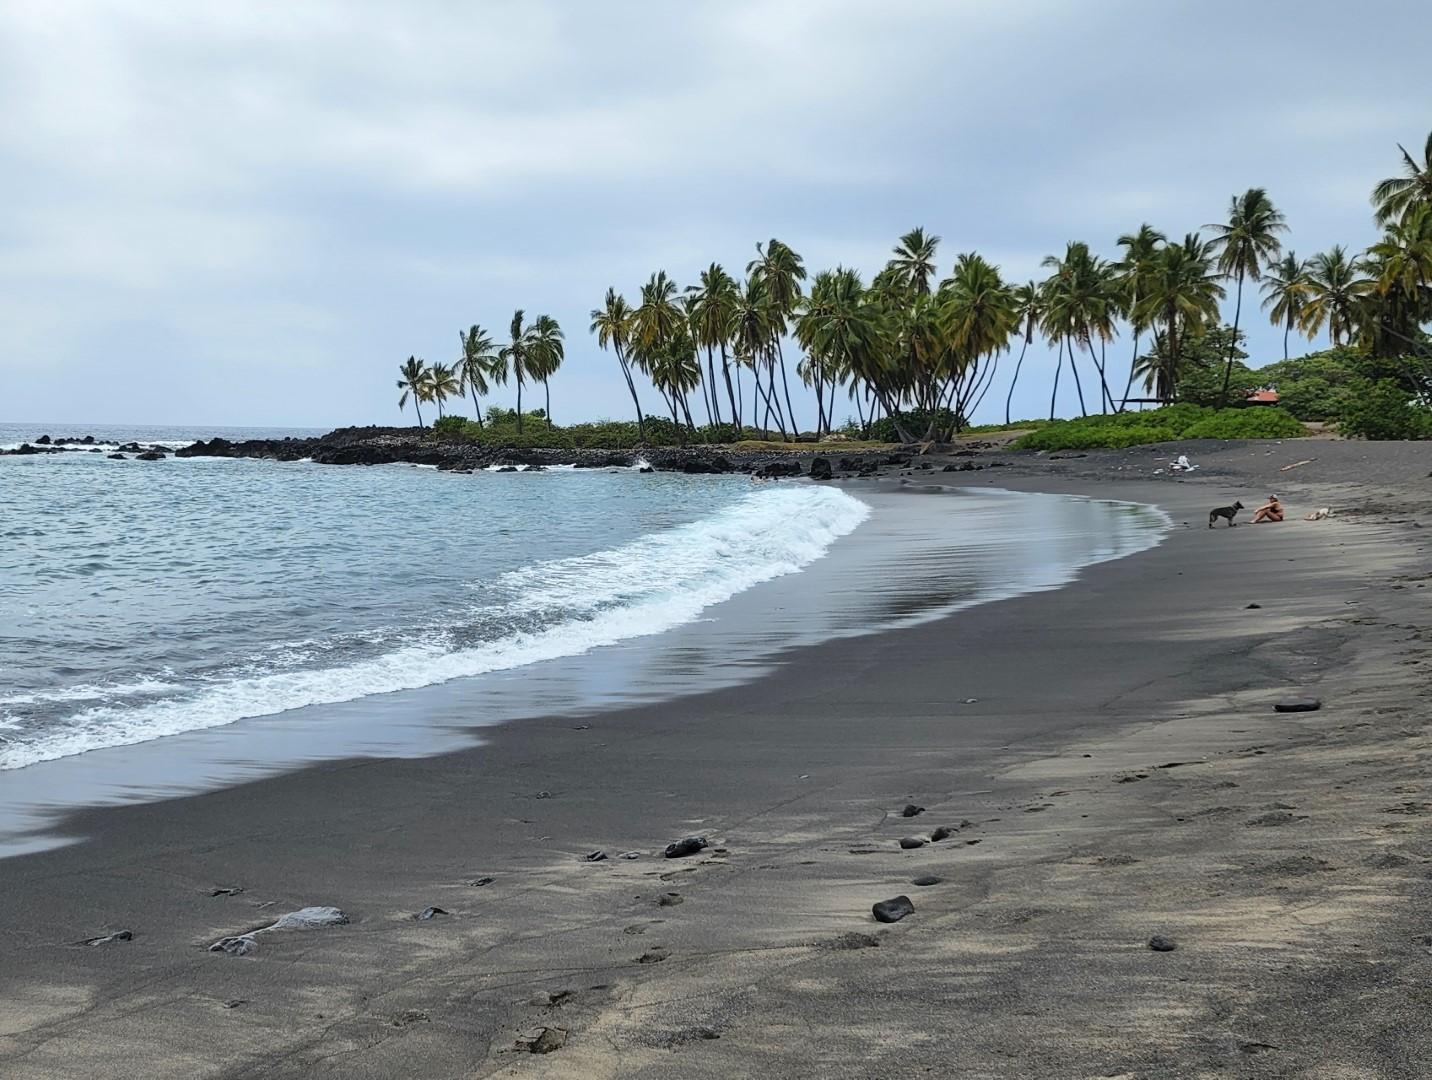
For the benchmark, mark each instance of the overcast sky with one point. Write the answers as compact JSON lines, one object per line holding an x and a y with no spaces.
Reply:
{"x":251,"y":213}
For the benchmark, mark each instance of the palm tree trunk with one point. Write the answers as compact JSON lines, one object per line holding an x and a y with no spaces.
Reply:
{"x":475,"y":406}
{"x":631,"y":386}
{"x":1104,"y":386}
{"x":1019,"y":364}
{"x":715,"y":398}
{"x":548,"y":389}
{"x":785,"y":384}
{"x":519,"y":406}
{"x":1232,"y":345}
{"x":1287,"y":327}
{"x":1133,"y":363}
{"x":419,"y":408}
{"x":1077,"y":385}
{"x":1058,"y":364}
{"x":732,"y":395}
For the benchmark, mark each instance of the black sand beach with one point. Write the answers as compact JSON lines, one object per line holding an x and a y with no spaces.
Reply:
{"x":1106,"y":756}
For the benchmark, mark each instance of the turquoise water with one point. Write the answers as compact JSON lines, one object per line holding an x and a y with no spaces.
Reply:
{"x":146,"y":599}
{"x":172,"y":626}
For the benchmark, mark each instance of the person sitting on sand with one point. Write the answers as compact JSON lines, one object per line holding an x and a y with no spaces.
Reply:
{"x":1272,"y":510}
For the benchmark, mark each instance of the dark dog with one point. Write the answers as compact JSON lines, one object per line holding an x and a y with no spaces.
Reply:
{"x":1225,"y":512}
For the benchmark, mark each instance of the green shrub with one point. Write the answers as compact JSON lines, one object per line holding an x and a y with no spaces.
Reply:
{"x":1168,"y":424}
{"x":1384,"y":410}
{"x":447,"y":427}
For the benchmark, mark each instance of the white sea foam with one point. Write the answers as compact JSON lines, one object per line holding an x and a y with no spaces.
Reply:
{"x":644,"y":587}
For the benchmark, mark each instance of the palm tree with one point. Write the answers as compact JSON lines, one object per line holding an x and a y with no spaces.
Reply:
{"x":914,"y":261}
{"x":1393,"y":197}
{"x":479,"y":364}
{"x":782,"y":272}
{"x":548,"y":353}
{"x":443,"y":383}
{"x":517,"y":357}
{"x":1075,"y":310}
{"x":1284,"y":293}
{"x":1247,"y":242}
{"x":614,"y":323}
{"x":1140,"y":248}
{"x":1400,"y":265}
{"x":414,"y":383}
{"x":710,"y":306}
{"x":1182,"y":293}
{"x":979,"y":313}
{"x":753,"y":329}
{"x":1029,"y":308}
{"x":1334,"y":286}
{"x":656,"y":323}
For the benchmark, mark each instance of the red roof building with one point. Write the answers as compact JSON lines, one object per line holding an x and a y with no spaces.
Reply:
{"x":1262,"y":397}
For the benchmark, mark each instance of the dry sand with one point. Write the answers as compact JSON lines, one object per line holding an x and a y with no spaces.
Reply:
{"x":1119,"y":774}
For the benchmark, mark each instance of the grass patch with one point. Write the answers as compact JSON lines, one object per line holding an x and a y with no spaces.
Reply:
{"x":1169,"y":424}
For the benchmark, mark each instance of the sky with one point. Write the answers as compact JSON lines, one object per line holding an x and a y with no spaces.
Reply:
{"x":250,"y":214}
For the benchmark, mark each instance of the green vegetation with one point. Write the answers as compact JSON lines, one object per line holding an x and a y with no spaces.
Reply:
{"x":1168,"y":424}
{"x":916,"y":353}
{"x":1384,"y":410}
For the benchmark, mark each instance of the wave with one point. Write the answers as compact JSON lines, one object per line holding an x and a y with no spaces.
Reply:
{"x":647,"y":586}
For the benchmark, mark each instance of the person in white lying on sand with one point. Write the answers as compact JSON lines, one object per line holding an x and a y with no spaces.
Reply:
{"x":1272,"y":510}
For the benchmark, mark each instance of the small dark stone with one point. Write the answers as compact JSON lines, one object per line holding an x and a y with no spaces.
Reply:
{"x":117,"y":457}
{"x":234,"y":1003}
{"x":820,"y":469}
{"x":480,"y":882}
{"x":893,"y":910}
{"x":1159,"y":943}
{"x":670,"y":899}
{"x":226,"y":890}
{"x":944,"y":832}
{"x":1298,"y":704}
{"x":149,"y":455}
{"x":43,"y":440}
{"x":544,"y":794}
{"x":927,"y":879}
{"x":911,"y":810}
{"x":429,"y":913}
{"x":653,"y":956}
{"x":689,"y":846}
{"x":1253,"y":607}
{"x":909,"y":843}
{"x":594,"y":856}
{"x":110,"y":939}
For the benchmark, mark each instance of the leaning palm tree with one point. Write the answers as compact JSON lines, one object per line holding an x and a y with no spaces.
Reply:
{"x":517,"y":357}
{"x":1133,"y":269}
{"x":1029,"y":308}
{"x":781,"y":271}
{"x":1393,"y":197}
{"x":914,"y":261}
{"x":979,"y":314}
{"x":1244,"y":245}
{"x":479,"y":366}
{"x":1181,"y":293}
{"x":710,"y":306}
{"x":1285,"y":292}
{"x":442,"y":384}
{"x":753,"y":329}
{"x":1335,"y":283}
{"x":414,"y":384}
{"x":548,"y":352}
{"x":614,"y":323}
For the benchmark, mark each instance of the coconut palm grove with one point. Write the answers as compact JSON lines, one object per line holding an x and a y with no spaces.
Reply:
{"x":911,"y":354}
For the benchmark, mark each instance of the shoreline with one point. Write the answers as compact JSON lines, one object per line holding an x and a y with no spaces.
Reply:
{"x":1142,"y":662}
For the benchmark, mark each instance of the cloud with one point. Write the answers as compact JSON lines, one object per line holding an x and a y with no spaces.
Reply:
{"x":224,"y":192}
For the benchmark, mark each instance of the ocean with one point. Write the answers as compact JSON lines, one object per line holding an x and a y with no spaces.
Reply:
{"x":169,"y":625}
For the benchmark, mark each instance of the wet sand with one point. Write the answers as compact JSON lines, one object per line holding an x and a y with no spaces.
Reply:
{"x":1106,"y":754}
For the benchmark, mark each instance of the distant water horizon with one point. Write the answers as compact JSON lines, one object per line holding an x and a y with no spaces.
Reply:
{"x":13,"y":434}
